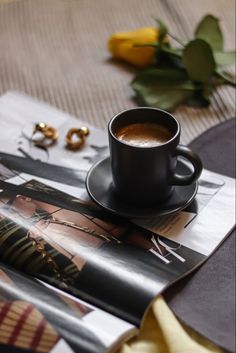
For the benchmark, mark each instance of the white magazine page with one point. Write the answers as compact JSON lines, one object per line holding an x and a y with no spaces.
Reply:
{"x":200,"y":227}
{"x":175,"y":246}
{"x":110,"y":329}
{"x":203,"y":226}
{"x":19,"y":114}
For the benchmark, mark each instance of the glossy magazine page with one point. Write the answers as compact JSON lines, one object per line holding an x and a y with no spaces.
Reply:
{"x":204,"y":224}
{"x":104,"y":260}
{"x":18,"y":116}
{"x":117,"y":265}
{"x":35,"y":317}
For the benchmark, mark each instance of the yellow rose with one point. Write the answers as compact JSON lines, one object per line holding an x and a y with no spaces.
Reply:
{"x":122,"y":46}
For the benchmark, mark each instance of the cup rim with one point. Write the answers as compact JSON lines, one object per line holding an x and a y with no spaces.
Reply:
{"x":144,"y":147}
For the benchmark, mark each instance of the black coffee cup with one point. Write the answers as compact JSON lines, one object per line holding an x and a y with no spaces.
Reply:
{"x":145,"y":176}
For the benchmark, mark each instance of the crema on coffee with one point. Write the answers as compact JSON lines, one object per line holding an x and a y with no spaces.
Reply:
{"x":143,"y":134}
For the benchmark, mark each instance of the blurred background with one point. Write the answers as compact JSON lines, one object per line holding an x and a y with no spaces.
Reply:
{"x":56,"y":50}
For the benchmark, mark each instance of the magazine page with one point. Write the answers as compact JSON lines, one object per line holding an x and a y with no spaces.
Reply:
{"x":201,"y":226}
{"x":18,"y":116}
{"x":104,"y":260}
{"x":130,"y":261}
{"x":35,"y":317}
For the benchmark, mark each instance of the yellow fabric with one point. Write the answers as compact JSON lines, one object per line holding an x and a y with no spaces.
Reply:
{"x":162,"y":333}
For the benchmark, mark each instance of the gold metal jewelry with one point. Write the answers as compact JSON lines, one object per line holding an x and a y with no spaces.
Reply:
{"x":81,"y":135}
{"x":50,"y":135}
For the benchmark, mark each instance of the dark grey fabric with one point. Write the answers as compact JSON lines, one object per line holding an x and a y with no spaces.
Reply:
{"x":205,"y":300}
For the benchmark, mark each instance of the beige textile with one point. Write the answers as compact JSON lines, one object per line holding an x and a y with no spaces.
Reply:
{"x":56,"y":50}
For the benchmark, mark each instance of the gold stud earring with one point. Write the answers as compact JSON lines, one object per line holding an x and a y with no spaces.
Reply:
{"x":48,"y":135}
{"x":80,"y":133}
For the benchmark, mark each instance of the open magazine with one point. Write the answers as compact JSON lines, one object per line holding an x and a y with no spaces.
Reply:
{"x":35,"y":317}
{"x":74,"y":278}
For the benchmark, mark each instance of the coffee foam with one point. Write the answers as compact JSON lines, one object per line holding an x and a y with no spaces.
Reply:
{"x":143,"y":134}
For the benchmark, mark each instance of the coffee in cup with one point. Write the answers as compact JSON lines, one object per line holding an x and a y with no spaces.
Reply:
{"x":143,"y":134}
{"x":144,"y":146}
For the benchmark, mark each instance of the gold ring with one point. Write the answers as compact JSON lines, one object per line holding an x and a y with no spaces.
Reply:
{"x":80,"y":133}
{"x":50,"y":135}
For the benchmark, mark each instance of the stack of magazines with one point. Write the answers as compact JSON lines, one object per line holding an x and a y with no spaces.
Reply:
{"x":73,"y":277}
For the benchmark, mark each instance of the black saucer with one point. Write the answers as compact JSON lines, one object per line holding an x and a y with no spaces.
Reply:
{"x":100,"y":188}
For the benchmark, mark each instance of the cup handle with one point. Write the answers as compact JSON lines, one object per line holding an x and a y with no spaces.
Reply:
{"x":194,"y":160}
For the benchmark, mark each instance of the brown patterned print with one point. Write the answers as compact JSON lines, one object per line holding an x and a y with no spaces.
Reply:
{"x":23,"y":326}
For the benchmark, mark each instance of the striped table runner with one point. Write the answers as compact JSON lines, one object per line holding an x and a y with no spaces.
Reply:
{"x":56,"y":50}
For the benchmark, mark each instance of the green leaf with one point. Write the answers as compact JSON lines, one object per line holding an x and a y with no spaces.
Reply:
{"x":224,"y":58}
{"x":165,"y":61}
{"x":198,"y":60}
{"x":164,"y":89}
{"x":209,"y":30}
{"x":162,"y":30}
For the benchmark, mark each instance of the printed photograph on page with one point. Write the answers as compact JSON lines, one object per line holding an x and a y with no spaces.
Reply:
{"x":35,"y":317}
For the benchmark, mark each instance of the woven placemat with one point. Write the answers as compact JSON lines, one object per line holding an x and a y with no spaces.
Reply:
{"x":56,"y":50}
{"x":206,"y":300}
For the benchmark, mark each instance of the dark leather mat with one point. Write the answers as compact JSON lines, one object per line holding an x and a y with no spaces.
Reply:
{"x":205,"y":300}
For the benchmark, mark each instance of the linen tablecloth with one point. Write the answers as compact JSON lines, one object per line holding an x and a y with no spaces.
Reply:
{"x":56,"y":51}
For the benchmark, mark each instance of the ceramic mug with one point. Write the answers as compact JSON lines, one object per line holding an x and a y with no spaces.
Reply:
{"x":146,"y":174}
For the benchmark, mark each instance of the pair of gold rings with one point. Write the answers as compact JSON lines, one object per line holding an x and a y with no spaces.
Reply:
{"x":46,"y":136}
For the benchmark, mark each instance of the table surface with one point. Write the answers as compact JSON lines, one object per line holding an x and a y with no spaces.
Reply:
{"x":56,"y":51}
